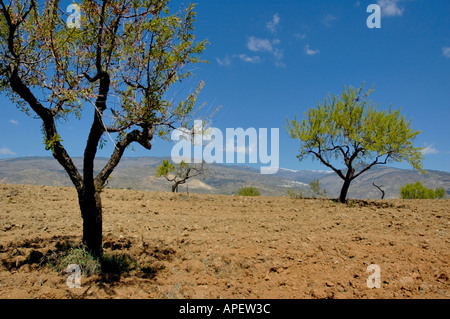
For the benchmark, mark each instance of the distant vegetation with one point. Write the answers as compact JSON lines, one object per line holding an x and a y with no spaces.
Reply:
{"x":418,"y":191}
{"x":249,"y":191}
{"x":294,"y":195}
{"x":315,"y":191}
{"x":180,"y":173}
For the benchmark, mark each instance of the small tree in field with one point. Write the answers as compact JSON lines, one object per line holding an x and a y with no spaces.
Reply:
{"x":119,"y":61}
{"x":180,"y":173}
{"x":314,"y":185}
{"x":349,"y":129}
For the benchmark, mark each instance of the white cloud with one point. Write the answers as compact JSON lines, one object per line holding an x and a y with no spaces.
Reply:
{"x":256,"y":44}
{"x":12,"y":121}
{"x":224,"y":62}
{"x":429,"y":150}
{"x":328,"y":19}
{"x":278,"y":54}
{"x":390,"y":8}
{"x":249,"y":59}
{"x":300,"y":36}
{"x":272,"y":25}
{"x":310,"y":51}
{"x":264,"y":45}
{"x":6,"y":151}
{"x":446,"y":52}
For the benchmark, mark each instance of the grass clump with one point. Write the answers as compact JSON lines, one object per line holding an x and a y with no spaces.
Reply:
{"x":117,"y":264}
{"x":79,"y":256}
{"x":249,"y":191}
{"x":108,"y":264}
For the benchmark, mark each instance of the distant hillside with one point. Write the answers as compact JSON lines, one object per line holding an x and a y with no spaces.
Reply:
{"x":139,"y":174}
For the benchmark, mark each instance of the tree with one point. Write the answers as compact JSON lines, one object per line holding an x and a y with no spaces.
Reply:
{"x":179,"y":174}
{"x":314,"y":185}
{"x":120,"y":65}
{"x":418,"y":191}
{"x":350,"y":129}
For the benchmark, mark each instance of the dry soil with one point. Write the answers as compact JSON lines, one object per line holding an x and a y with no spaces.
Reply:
{"x":204,"y":246}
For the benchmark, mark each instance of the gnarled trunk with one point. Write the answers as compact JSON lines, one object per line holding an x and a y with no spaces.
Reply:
{"x":91,"y":212}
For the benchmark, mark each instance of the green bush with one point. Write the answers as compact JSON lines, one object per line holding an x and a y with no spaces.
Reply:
{"x":249,"y":191}
{"x":418,"y":191}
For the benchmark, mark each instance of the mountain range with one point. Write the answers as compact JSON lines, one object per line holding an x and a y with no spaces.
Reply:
{"x":139,"y":174}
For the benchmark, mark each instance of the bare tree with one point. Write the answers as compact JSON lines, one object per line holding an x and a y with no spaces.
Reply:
{"x":379,"y":188}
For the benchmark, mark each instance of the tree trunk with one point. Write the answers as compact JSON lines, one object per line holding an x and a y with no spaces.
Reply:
{"x":91,"y":212}
{"x":175,"y":188}
{"x":344,"y":191}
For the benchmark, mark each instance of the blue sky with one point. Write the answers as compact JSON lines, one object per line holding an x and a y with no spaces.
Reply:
{"x":269,"y":60}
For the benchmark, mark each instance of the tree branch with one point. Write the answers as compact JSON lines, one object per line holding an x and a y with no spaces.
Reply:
{"x":319,"y":156}
{"x":58,"y":151}
{"x":142,"y":137}
{"x":376,"y":162}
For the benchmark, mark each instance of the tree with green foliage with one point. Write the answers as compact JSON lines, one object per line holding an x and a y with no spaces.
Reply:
{"x":120,"y":64}
{"x":179,"y":174}
{"x":418,"y":191}
{"x":348,"y":129}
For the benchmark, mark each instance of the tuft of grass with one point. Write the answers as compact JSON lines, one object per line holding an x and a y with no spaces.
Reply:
{"x":249,"y":191}
{"x":108,"y":264}
{"x":117,"y":264}
{"x":79,"y":256}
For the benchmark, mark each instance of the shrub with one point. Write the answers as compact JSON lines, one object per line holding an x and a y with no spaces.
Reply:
{"x":418,"y":191}
{"x":440,"y":192}
{"x":292,"y":194}
{"x":249,"y":191}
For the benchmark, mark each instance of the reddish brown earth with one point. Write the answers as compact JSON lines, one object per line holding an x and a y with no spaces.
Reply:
{"x":205,"y":246}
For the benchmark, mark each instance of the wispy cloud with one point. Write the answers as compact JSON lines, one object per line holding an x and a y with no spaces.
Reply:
{"x":272,"y":26}
{"x":6,"y":151}
{"x":310,"y":51}
{"x":12,"y":121}
{"x":265,"y":45}
{"x":390,"y":8}
{"x":257,"y":44}
{"x":249,"y":59}
{"x":446,"y":52}
{"x":224,"y":61}
{"x":262,"y":46}
{"x":429,"y":150}
{"x":328,"y":20}
{"x":300,"y":36}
